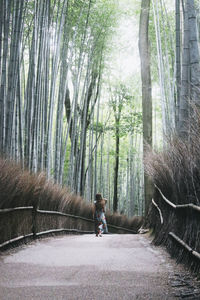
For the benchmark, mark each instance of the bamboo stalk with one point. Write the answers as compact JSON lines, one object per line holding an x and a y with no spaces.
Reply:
{"x":63,"y":230}
{"x":189,"y":205}
{"x":196,"y":254}
{"x":195,"y":207}
{"x":63,"y":214}
{"x":19,"y":238}
{"x":181,"y":242}
{"x":184,"y":245}
{"x":6,"y":210}
{"x":159,"y":210}
{"x":122,"y":228}
{"x":169,"y":202}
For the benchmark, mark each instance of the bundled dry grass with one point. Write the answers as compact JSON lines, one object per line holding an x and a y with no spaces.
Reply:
{"x":117,"y":219}
{"x":176,"y":171}
{"x":19,"y":188}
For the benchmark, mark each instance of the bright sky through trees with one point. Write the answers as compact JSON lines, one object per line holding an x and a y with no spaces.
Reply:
{"x":125,"y":54}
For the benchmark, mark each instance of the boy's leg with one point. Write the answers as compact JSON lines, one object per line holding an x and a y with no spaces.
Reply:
{"x":105,"y":227}
{"x":96,"y":227}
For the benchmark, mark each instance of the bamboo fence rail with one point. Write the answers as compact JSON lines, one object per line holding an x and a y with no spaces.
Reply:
{"x":37,"y":212}
{"x":185,"y":207}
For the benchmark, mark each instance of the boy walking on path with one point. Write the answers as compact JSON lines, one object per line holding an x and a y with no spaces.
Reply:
{"x":99,"y":215}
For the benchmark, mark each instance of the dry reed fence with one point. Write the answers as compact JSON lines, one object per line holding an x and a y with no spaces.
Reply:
{"x":30,"y":206}
{"x":175,"y":172}
{"x":177,"y":227}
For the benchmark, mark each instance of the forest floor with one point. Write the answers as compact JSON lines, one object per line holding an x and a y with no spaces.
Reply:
{"x":88,"y":267}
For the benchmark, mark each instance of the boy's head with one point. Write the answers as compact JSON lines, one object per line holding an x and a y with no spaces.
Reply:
{"x":99,"y":197}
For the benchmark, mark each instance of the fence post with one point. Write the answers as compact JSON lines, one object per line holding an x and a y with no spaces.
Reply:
{"x":34,"y":220}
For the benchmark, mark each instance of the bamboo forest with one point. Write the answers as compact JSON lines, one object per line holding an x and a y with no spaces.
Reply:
{"x":103,"y":96}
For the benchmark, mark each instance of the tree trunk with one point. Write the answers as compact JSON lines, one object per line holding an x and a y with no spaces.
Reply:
{"x":146,"y":91}
{"x":178,"y":60}
{"x":184,"y":99}
{"x":116,"y":169}
{"x":194,"y":54}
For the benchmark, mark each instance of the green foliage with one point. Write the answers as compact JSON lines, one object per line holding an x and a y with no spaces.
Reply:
{"x":127,"y":120}
{"x":91,"y":24}
{"x":97,"y":127}
{"x":67,"y":160}
{"x":131,"y":122}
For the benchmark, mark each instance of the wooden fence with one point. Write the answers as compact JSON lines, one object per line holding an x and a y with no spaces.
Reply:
{"x":31,"y":222}
{"x":182,"y":216}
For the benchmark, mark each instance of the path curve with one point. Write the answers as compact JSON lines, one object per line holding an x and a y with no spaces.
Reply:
{"x":86,"y":267}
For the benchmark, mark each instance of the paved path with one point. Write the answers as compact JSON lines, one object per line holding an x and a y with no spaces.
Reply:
{"x":86,"y":267}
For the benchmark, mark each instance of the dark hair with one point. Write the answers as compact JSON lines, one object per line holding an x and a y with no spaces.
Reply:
{"x":98,"y":197}
{"x":100,"y":205}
